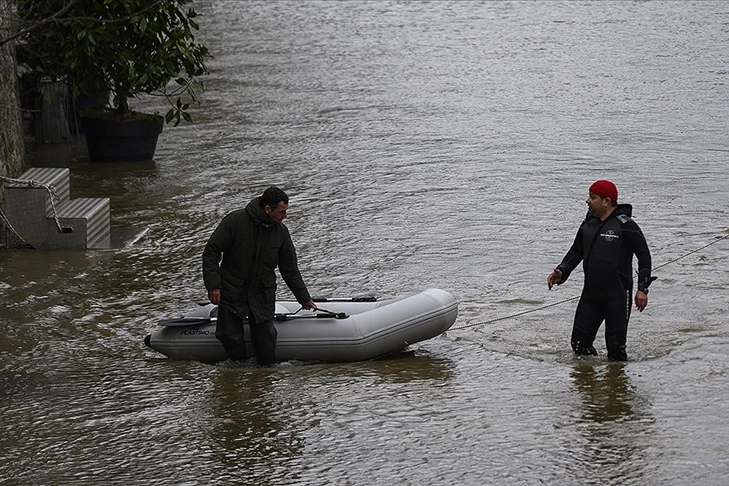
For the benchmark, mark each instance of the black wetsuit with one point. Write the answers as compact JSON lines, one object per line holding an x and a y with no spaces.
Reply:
{"x":606,"y":249}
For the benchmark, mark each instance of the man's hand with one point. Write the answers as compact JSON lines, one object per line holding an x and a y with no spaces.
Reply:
{"x":641,"y":300}
{"x":554,"y":278}
{"x":214,"y":296}
{"x":309,"y":305}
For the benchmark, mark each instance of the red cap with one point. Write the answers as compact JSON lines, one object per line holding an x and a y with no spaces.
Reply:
{"x":605,"y":189}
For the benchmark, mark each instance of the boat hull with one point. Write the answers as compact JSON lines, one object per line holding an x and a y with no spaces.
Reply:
{"x":371,"y":330}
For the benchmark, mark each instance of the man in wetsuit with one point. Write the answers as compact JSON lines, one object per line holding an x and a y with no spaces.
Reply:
{"x":252,"y":242}
{"x":605,"y":243}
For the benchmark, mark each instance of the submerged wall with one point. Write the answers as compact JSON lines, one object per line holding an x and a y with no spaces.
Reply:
{"x":11,"y":131}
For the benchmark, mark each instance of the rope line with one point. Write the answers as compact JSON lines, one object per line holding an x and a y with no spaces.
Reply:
{"x":693,"y":251}
{"x":4,"y":219}
{"x":518,"y":314}
{"x":514,"y":315}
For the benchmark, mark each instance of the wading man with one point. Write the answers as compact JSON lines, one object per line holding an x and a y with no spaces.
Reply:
{"x":605,"y":243}
{"x":239,"y":262}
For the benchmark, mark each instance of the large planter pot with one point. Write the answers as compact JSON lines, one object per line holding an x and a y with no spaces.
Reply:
{"x":122,"y":140}
{"x":86,"y":103}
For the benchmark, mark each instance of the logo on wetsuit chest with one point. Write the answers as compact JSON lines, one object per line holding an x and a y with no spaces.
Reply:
{"x":609,"y":236}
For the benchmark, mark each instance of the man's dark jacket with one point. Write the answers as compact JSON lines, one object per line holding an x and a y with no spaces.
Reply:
{"x":251,"y":246}
{"x":607,"y":248}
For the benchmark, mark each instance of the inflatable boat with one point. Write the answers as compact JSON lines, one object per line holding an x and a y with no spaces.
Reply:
{"x":348,"y":330}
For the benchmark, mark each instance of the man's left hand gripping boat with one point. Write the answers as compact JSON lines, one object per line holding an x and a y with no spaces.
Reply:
{"x":349,"y":329}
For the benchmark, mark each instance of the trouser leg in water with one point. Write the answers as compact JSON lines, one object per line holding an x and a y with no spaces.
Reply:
{"x":617,"y":314}
{"x":593,"y":308}
{"x":263,"y":338}
{"x":588,"y":318}
{"x":229,"y":331}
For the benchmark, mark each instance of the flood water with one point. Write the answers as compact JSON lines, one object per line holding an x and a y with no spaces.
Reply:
{"x":423,"y":144}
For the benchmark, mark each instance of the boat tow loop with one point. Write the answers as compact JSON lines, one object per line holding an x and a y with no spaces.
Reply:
{"x":288,"y":316}
{"x":325,"y":314}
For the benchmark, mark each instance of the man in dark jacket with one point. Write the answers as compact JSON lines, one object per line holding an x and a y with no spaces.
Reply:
{"x":605,"y":243}
{"x":252,"y":243}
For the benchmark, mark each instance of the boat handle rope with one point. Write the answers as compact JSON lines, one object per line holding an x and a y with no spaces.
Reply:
{"x":198,"y":321}
{"x":511,"y":316}
{"x":326,"y":314}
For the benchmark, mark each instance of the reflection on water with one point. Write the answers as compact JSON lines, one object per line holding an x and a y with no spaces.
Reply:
{"x":263,"y":420}
{"x":606,"y":390}
{"x":249,"y":434}
{"x":404,"y":367}
{"x":614,"y":416}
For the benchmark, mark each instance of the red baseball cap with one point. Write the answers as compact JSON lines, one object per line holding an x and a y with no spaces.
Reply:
{"x":605,"y":188}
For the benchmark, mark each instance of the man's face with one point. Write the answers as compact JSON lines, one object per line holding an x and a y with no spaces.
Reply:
{"x":278,"y":213}
{"x":597,"y":205}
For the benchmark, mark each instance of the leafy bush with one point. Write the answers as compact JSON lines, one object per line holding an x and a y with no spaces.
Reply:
{"x":125,"y":47}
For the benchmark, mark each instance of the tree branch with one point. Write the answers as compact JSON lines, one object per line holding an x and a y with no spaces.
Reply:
{"x":41,"y":23}
{"x":55,"y":18}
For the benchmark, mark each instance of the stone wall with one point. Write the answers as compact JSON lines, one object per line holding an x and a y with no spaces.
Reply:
{"x":11,"y":132}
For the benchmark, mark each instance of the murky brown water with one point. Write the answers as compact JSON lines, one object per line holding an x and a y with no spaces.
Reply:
{"x":443,"y":144}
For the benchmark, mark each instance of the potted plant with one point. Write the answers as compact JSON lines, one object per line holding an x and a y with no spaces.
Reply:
{"x":122,"y":47}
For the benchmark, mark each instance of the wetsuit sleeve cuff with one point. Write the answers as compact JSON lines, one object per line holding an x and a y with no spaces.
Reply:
{"x":644,"y":280}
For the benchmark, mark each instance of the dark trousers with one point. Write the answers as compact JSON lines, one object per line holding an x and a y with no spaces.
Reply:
{"x":594,"y":307}
{"x":229,"y":331}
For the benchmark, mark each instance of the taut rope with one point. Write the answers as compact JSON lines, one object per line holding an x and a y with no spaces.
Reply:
{"x":511,"y":316}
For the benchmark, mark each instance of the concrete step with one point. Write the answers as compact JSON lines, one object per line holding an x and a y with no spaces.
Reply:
{"x":90,"y":219}
{"x":58,"y":178}
{"x":85,"y":222}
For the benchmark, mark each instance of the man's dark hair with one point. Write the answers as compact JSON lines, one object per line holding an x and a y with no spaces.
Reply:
{"x":272,"y":196}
